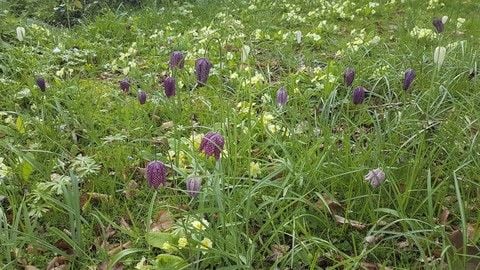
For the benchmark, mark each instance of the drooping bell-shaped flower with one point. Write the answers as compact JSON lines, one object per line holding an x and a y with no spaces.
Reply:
{"x":282,"y":96}
{"x":212,"y":144}
{"x":193,"y":186}
{"x":202,"y":70}
{"x":349,"y":76}
{"x":156,"y":173}
{"x":177,"y":60}
{"x":125,"y":85}
{"x":41,"y":83}
{"x":438,"y":24}
{"x":408,"y":78}
{"x":169,"y":86}
{"x":358,"y":95}
{"x":142,"y":97}
{"x":375,"y":177}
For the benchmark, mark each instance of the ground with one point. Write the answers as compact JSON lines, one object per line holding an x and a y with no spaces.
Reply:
{"x":306,"y":180}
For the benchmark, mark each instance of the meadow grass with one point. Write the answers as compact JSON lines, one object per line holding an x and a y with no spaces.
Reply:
{"x":288,"y":191}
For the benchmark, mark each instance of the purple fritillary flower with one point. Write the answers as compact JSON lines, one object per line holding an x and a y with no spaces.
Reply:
{"x":212,"y":144}
{"x":408,"y":78}
{"x":169,"y":85}
{"x":375,"y":177}
{"x":358,"y":95}
{"x":202,"y":70}
{"x":41,"y":83}
{"x":193,"y":186}
{"x":282,"y":96}
{"x":177,"y":60}
{"x":125,"y":85}
{"x":439,"y":26}
{"x":349,"y":76}
{"x":156,"y":173}
{"x":142,"y":97}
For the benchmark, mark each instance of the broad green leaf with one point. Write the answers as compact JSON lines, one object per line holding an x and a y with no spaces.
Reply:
{"x":167,"y":261}
{"x":26,"y":170}
{"x":20,"y":125}
{"x":157,"y":239}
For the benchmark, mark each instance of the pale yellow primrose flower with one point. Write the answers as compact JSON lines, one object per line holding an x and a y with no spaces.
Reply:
{"x":254,"y":169}
{"x":182,"y":242}
{"x":201,"y":226}
{"x":206,"y":243}
{"x":168,"y":247}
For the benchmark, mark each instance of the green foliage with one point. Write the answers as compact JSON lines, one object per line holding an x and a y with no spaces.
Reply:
{"x":289,"y":190}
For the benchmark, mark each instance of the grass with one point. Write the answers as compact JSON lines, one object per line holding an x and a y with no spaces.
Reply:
{"x":289,"y":189}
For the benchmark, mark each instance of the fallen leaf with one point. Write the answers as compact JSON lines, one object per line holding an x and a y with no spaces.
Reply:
{"x":327,"y":202}
{"x":403,"y":244}
{"x":355,"y":224}
{"x":278,"y":251}
{"x":167,"y":125}
{"x":125,"y":224}
{"x":30,"y":267}
{"x":63,"y":245}
{"x":162,"y":222}
{"x":443,"y":217}
{"x":456,"y":238}
{"x":369,"y":266}
{"x":372,"y":239}
{"x":115,"y":248}
{"x":131,"y":189}
{"x":104,"y":266}
{"x":58,"y":263}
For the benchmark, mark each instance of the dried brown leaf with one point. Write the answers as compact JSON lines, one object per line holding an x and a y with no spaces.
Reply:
{"x":278,"y":251}
{"x":58,"y":263}
{"x":115,"y":248}
{"x":443,"y":217}
{"x":63,"y":245}
{"x":456,"y":237}
{"x":131,"y":189}
{"x":403,"y":244}
{"x":355,"y":224}
{"x":372,"y":239}
{"x":369,"y":266}
{"x":104,"y":266}
{"x":328,"y":203}
{"x":167,"y":125}
{"x":163,"y":221}
{"x":125,"y":224}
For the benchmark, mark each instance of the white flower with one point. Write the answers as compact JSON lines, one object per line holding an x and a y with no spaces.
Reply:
{"x":298,"y":36}
{"x":444,"y":19}
{"x":245,"y":53}
{"x":20,"y":33}
{"x":439,"y":56}
{"x":375,"y":177}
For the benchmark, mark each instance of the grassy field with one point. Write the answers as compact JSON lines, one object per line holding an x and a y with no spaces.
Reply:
{"x":291,"y":187}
